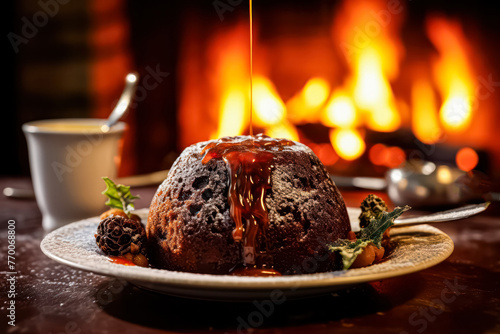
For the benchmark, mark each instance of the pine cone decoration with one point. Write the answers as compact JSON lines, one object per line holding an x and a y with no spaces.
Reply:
{"x":371,"y":207}
{"x":117,"y":235}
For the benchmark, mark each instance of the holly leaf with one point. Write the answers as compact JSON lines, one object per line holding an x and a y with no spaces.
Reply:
{"x":119,"y":196}
{"x":373,"y":233}
{"x":348,"y":250}
{"x":375,"y":230}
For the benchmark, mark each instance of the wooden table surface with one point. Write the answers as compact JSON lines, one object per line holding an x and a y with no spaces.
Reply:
{"x":460,"y":295}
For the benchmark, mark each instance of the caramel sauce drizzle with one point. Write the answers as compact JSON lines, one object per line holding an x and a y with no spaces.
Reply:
{"x":250,"y":11}
{"x":250,"y":162}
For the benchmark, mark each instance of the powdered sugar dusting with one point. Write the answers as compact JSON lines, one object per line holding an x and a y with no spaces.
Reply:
{"x":190,"y":221}
{"x":415,"y":248}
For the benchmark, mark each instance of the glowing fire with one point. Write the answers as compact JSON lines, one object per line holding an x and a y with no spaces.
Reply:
{"x":425,"y":123}
{"x":373,"y":93}
{"x":233,"y":84}
{"x":348,"y":143}
{"x":268,"y":107}
{"x":270,"y":111}
{"x":316,"y":92}
{"x":340,"y":111}
{"x":232,"y":123}
{"x":440,"y":102}
{"x":283,"y":130}
{"x":373,"y":52}
{"x":305,"y":106}
{"x":452,"y":73}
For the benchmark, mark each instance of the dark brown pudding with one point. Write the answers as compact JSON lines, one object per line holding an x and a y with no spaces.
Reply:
{"x":246,"y":204}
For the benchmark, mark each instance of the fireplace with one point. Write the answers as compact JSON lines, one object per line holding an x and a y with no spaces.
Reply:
{"x":366,"y":84}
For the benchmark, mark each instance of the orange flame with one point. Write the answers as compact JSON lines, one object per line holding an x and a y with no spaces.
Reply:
{"x":340,"y":111}
{"x":268,"y":107}
{"x":368,"y":34}
{"x":233,"y":114}
{"x":306,"y":105}
{"x":283,"y":130}
{"x":316,"y":92}
{"x":452,"y":72}
{"x":229,"y":58}
{"x":368,"y":31}
{"x":425,"y":121}
{"x":348,"y":143}
{"x":373,"y":93}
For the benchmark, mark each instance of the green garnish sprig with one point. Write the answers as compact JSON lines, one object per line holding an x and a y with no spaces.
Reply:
{"x":119,"y":196}
{"x":373,"y":233}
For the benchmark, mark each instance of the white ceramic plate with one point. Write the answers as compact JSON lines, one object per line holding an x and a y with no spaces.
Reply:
{"x":416,"y":248}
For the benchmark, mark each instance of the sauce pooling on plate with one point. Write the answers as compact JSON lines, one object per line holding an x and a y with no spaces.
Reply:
{"x":121,"y":260}
{"x":250,"y":162}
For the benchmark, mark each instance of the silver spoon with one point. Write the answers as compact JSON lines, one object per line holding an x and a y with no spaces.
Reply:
{"x":422,"y":184}
{"x":443,"y":216}
{"x":124,"y":102}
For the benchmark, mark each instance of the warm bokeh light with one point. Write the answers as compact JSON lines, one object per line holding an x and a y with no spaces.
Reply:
{"x":444,"y":175}
{"x":316,"y":92}
{"x":357,"y":96}
{"x":467,"y":159}
{"x":452,"y":72}
{"x":233,"y":114}
{"x":384,"y":118}
{"x":268,"y":107}
{"x":283,"y":130}
{"x":396,"y":156}
{"x":325,"y":153}
{"x":339,"y":111}
{"x":425,"y":122}
{"x":373,"y":60}
{"x":305,"y":106}
{"x":373,"y":93}
{"x":378,"y":154}
{"x":455,"y":113}
{"x":371,"y":87}
{"x":212,"y":79}
{"x":353,"y":29}
{"x":391,"y":157}
{"x":347,"y":143}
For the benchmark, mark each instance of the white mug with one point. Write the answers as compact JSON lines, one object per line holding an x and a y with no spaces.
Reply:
{"x":68,"y":158}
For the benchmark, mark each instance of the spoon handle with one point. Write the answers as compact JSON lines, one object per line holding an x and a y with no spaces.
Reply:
{"x":125,"y":99}
{"x":453,"y":214}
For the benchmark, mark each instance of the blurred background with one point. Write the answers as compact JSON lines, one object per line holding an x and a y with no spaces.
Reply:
{"x":366,"y":84}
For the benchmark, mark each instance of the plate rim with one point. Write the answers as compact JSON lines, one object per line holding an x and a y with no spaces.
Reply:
{"x":244,"y":283}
